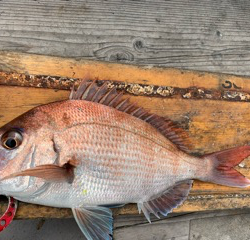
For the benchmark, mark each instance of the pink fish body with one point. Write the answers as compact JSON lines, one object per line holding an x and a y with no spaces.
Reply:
{"x":87,"y":156}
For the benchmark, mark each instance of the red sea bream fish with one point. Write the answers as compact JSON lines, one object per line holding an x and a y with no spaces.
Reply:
{"x":96,"y":151}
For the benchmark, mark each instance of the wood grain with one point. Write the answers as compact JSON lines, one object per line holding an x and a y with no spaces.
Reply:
{"x":201,"y":35}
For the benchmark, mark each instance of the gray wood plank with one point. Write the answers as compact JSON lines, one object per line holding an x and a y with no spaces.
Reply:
{"x":207,"y":35}
{"x":154,"y":231}
{"x":221,"y":228}
{"x":130,"y":220}
{"x":39,"y":229}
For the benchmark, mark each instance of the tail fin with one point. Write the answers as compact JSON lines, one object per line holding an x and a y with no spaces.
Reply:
{"x":223,"y":163}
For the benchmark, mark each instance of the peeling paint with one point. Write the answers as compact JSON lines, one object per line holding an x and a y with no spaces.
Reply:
{"x":136,"y":89}
{"x":242,"y":96}
{"x":242,"y":165}
{"x":187,"y":95}
{"x":165,"y":91}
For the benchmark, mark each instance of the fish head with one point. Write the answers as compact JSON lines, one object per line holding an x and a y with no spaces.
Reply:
{"x":25,"y":142}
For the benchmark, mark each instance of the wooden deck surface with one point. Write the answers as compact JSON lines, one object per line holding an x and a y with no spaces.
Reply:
{"x":141,"y":43}
{"x":205,"y":35}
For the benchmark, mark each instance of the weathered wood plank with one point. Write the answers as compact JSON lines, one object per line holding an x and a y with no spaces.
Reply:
{"x":131,"y":220}
{"x":223,"y":228}
{"x":234,"y":223}
{"x":212,"y":125}
{"x":60,"y":73}
{"x":228,"y":91}
{"x":201,"y":35}
{"x":155,"y":230}
{"x":205,"y":130}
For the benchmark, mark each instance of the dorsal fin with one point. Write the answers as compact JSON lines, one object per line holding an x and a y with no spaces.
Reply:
{"x":90,"y":91}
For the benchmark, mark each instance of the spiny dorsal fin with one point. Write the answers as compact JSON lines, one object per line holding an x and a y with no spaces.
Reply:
{"x":90,"y":91}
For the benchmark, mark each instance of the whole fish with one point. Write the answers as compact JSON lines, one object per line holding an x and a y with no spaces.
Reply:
{"x":96,"y":151}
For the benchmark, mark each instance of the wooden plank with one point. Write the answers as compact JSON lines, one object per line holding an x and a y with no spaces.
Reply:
{"x":206,"y":132}
{"x":152,"y":33}
{"x":227,"y":91}
{"x":233,"y":227}
{"x":212,"y":125}
{"x":126,"y":225}
{"x":233,"y":222}
{"x":60,"y":73}
{"x":177,"y":231}
{"x":211,"y":128}
{"x":192,"y":204}
{"x":42,"y":229}
{"x":131,"y":220}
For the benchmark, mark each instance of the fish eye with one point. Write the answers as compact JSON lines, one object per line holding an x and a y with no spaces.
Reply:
{"x":11,"y":139}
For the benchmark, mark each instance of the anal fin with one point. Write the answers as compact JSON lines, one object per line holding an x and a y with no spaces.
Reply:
{"x":170,"y":199}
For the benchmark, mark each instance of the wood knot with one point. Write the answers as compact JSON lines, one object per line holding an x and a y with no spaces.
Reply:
{"x":121,"y":57}
{"x":115,"y":54}
{"x":138,"y":44}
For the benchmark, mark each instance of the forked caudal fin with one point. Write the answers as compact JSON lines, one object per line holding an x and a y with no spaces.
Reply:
{"x":223,"y":164}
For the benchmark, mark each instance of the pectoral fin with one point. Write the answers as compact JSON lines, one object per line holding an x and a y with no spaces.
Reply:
{"x":170,"y":199}
{"x":49,"y":172}
{"x":94,"y":222}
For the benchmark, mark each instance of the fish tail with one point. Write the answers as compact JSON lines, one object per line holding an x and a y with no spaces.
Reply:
{"x":222,"y":167}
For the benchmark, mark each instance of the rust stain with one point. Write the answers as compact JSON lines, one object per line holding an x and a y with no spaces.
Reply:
{"x":64,"y":83}
{"x":209,"y":196}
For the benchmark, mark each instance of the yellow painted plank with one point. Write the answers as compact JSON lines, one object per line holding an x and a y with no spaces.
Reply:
{"x":47,"y":65}
{"x":212,"y":125}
